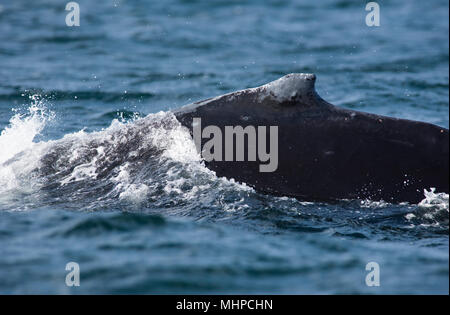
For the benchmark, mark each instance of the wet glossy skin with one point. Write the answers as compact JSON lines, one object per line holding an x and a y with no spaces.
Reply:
{"x":326,"y":152}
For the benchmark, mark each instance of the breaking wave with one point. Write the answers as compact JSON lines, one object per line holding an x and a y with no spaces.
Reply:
{"x":142,"y":160}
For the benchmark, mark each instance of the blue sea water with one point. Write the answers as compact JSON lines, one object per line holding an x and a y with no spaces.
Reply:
{"x":88,"y":175}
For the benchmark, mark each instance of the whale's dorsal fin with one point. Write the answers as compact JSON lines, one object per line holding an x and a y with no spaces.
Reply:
{"x":292,"y":90}
{"x":291,"y":87}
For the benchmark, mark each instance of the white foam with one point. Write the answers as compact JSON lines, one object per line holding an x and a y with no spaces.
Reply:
{"x":19,"y":154}
{"x":434,"y":208}
{"x":435,"y":200}
{"x":23,"y":128}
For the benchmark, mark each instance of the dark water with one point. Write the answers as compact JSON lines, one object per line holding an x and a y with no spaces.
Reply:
{"x":87,"y":176}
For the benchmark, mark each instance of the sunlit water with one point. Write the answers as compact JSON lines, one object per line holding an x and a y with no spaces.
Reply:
{"x":94,"y":169}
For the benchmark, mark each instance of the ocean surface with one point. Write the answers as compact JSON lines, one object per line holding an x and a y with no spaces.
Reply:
{"x":94,"y":169}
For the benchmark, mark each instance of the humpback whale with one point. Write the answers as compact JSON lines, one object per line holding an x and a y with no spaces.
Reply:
{"x":324,"y":152}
